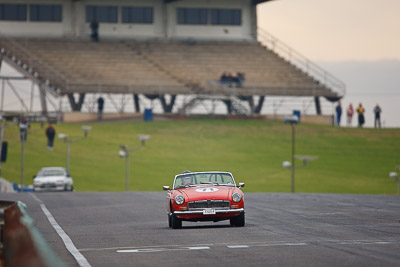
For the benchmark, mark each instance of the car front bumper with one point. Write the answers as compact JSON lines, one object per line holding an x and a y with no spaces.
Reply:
{"x":48,"y":187}
{"x":189,"y":212}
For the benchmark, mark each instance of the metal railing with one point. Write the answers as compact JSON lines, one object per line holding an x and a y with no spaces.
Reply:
{"x":20,"y":53}
{"x":300,"y":61}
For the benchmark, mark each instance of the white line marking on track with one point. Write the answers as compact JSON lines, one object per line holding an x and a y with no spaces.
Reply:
{"x":144,"y":250}
{"x":238,"y":246}
{"x":267,"y":245}
{"x":197,"y":248}
{"x":364,"y":243}
{"x":80,"y":259}
{"x":139,"y":250}
{"x":283,"y":244}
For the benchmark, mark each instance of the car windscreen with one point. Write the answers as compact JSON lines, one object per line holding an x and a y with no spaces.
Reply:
{"x":195,"y":179}
{"x":51,"y":173}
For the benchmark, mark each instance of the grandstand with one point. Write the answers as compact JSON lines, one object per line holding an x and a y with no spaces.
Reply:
{"x":185,"y":57}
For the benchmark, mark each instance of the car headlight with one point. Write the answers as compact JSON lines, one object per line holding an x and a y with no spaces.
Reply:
{"x":236,"y":197}
{"x":179,"y":199}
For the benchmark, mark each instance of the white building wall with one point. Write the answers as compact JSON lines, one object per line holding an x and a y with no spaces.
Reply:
{"x":119,"y":29}
{"x":164,"y":24}
{"x":220,"y":32}
{"x":40,"y":29}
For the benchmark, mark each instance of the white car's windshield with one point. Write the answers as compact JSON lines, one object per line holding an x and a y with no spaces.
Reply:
{"x":51,"y":173}
{"x":203,"y":178}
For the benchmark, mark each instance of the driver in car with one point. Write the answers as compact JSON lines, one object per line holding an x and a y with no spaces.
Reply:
{"x":187,"y":180}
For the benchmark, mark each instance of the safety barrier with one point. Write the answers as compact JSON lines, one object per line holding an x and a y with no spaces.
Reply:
{"x":6,"y":186}
{"x":22,"y":244}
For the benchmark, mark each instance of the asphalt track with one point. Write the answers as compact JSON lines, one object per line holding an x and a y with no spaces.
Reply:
{"x":130,"y":229}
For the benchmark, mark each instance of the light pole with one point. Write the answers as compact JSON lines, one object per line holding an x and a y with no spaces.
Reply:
{"x":125,"y":153}
{"x":68,"y":142}
{"x":293,"y":120}
{"x":395,"y":176}
{"x":1,"y":139}
{"x":23,"y":131}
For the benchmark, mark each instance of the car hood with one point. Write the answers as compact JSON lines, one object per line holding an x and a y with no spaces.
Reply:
{"x":207,"y":192}
{"x":49,"y":179}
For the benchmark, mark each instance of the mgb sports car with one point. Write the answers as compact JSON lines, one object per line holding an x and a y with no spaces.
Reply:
{"x":205,"y":196}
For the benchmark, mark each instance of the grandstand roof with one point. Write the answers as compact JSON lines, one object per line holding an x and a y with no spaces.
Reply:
{"x":254,"y":2}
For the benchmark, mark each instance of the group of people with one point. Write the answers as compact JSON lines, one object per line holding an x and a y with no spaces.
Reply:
{"x":50,"y":132}
{"x":360,"y":111}
{"x":228,"y":79}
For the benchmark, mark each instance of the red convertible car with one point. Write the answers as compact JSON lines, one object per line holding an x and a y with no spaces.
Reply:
{"x":205,"y":196}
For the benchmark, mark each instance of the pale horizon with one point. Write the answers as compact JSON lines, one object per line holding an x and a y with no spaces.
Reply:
{"x":341,"y":30}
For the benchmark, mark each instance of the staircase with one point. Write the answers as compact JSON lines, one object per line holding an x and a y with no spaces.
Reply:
{"x":303,"y":64}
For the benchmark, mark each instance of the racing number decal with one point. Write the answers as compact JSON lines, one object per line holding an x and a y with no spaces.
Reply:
{"x":207,"y":190}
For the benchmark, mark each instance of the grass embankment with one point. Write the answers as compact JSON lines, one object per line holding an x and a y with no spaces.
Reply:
{"x":350,"y":160}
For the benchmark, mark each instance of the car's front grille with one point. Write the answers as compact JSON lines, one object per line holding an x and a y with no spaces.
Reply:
{"x":48,"y":185}
{"x":204,"y":204}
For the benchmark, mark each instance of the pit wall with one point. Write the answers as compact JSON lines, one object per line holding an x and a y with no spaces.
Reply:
{"x":6,"y":186}
{"x":23,"y":245}
{"x":78,"y":117}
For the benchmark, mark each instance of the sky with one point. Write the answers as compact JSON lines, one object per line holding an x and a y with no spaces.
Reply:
{"x":335,"y":30}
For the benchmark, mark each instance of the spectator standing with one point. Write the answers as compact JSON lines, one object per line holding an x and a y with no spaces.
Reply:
{"x":23,"y":129}
{"x":224,"y":78}
{"x":240,"y":76}
{"x":50,"y":133}
{"x":361,"y":119}
{"x":377,"y":111}
{"x":338,"y":113}
{"x":229,"y":78}
{"x":238,"y":79}
{"x":94,"y":26}
{"x":100,"y":107}
{"x":350,"y":112}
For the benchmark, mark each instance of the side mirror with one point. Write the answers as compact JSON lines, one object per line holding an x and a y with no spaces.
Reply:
{"x":166,"y":188}
{"x":241,"y":185}
{"x":34,"y":176}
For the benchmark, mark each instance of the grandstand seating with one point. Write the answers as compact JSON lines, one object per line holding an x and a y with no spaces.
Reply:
{"x":160,"y":67}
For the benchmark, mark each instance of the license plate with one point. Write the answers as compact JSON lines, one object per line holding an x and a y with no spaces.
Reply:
{"x":208,"y":211}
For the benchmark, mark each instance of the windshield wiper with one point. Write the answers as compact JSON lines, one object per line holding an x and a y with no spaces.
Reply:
{"x":186,"y":186}
{"x":210,"y":183}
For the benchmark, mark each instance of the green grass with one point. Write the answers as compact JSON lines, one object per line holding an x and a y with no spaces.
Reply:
{"x":350,"y":160}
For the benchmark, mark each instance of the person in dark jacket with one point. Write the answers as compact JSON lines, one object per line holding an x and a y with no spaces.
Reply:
{"x":94,"y":26}
{"x":100,"y":107}
{"x":23,"y":128}
{"x":50,"y":133}
{"x":338,"y":113}
{"x":377,"y":112}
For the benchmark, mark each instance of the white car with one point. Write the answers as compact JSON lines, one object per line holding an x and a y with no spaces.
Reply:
{"x":53,"y":179}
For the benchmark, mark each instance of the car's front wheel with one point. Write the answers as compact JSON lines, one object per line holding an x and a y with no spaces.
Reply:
{"x":69,"y":187}
{"x":175,"y":222}
{"x":238,"y":221}
{"x":169,"y":220}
